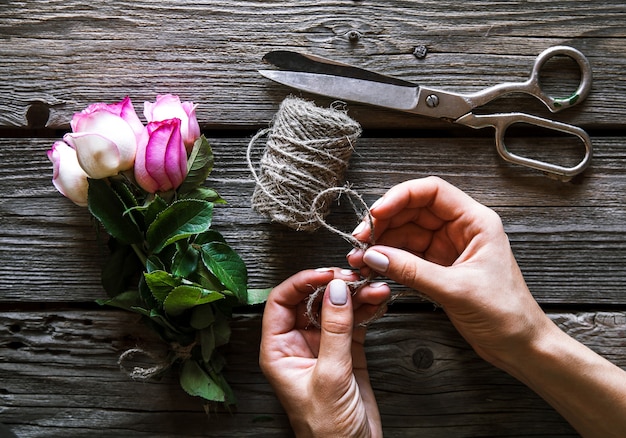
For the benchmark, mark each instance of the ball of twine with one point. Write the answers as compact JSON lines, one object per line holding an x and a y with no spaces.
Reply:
{"x":307,"y":152}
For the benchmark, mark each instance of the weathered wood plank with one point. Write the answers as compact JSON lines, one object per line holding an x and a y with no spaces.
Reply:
{"x":58,"y":56}
{"x":59,"y":377}
{"x":569,"y":236}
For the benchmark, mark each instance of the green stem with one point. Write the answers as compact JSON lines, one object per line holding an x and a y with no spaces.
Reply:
{"x":140,"y":254}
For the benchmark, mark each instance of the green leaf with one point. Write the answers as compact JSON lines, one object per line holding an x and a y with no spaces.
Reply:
{"x":185,"y":259}
{"x":221,"y":330}
{"x":257,"y":296}
{"x":147,"y":297}
{"x":107,"y":206}
{"x":120,"y":185}
{"x":227,"y":266}
{"x":195,"y":381}
{"x":126,"y":300}
{"x":152,"y":210}
{"x":185,"y":297}
{"x":202,"y":316}
{"x":121,"y":266}
{"x":204,"y":193}
{"x":200,"y":164}
{"x":161,"y":283}
{"x":153,"y":263}
{"x":229,"y":395}
{"x":207,"y":344}
{"x":179,"y":221}
{"x":156,"y":317}
{"x":208,"y":237}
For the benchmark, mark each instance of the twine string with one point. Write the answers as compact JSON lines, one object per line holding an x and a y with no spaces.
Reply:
{"x":307,"y":151}
{"x":178,"y":352}
{"x":300,"y":172}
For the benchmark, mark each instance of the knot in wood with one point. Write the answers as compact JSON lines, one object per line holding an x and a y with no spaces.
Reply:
{"x":423,"y":358}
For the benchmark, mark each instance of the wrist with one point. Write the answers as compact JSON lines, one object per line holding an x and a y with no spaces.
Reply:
{"x":528,"y":348}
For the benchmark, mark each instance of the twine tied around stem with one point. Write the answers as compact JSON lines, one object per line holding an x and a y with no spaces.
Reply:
{"x":177,"y":352}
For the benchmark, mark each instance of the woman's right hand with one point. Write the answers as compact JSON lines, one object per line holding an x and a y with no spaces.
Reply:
{"x":434,"y":238}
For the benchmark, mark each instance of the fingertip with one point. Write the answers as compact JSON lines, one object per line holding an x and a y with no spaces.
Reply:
{"x":338,"y":292}
{"x":377,"y":204}
{"x":378,"y":261}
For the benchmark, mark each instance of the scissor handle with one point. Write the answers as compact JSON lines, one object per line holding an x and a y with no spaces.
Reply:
{"x":501,"y":122}
{"x":557,"y":103}
{"x":532,"y":85}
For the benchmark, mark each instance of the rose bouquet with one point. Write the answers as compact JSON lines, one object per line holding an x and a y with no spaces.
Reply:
{"x":145,"y":185}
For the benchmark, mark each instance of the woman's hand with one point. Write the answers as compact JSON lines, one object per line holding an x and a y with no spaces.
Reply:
{"x":434,"y":238}
{"x":320,"y":375}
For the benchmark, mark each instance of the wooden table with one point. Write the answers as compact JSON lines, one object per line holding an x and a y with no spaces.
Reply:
{"x":58,"y":350}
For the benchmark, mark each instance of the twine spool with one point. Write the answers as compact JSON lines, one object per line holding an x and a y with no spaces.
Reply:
{"x":307,"y":152}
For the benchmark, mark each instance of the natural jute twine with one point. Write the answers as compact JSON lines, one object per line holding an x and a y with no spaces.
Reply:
{"x":307,"y":151}
{"x":298,"y":177}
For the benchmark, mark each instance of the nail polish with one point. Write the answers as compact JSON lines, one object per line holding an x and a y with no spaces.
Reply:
{"x":377,"y":261}
{"x":359,"y":229}
{"x":338,"y":292}
{"x":378,"y":284}
{"x":378,"y":202}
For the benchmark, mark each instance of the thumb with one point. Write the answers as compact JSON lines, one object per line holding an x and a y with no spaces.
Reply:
{"x":336,"y":333}
{"x":410,"y":270}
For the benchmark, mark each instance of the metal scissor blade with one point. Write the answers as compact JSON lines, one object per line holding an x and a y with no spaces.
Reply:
{"x":294,"y":61}
{"x":397,"y":97}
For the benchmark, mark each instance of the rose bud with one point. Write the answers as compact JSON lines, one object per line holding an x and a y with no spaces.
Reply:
{"x":105,"y":138}
{"x":169,"y":106}
{"x":161,"y":162}
{"x":68,"y":177}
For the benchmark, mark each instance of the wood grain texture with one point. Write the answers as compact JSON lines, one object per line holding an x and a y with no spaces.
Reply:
{"x":59,"y":376}
{"x":62,"y":55}
{"x":567,"y":237}
{"x":58,"y":351}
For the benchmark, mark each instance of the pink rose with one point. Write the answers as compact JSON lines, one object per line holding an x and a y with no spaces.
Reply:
{"x":105,"y":137}
{"x":169,"y":107}
{"x":68,"y":177}
{"x":161,"y":163}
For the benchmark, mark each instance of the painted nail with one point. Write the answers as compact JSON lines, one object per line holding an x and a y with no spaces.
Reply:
{"x":378,"y":284}
{"x":323,"y":269}
{"x":346,"y":272}
{"x":359,"y":229}
{"x":377,"y":261}
{"x":377,"y":203}
{"x":338,"y":292}
{"x":352,"y":252}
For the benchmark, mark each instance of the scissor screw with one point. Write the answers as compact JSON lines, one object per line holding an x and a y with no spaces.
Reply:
{"x":432,"y":100}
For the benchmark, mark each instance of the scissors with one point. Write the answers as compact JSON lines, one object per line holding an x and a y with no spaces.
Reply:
{"x":341,"y":81}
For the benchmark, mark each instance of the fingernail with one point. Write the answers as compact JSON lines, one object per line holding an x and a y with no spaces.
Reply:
{"x":377,"y":261}
{"x":346,"y":272}
{"x":378,"y":284}
{"x":352,"y":252}
{"x":338,"y":292}
{"x":376,"y":204}
{"x":323,"y":269}
{"x":359,"y":228}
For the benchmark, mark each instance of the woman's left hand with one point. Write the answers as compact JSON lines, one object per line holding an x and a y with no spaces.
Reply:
{"x":320,"y":375}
